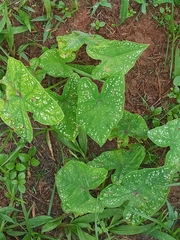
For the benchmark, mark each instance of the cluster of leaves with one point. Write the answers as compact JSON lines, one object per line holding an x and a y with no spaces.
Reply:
{"x":13,"y":168}
{"x":122,"y":185}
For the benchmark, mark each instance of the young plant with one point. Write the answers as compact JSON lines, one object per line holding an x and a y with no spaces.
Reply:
{"x":51,"y":20}
{"x":13,"y":168}
{"x":117,"y":177}
{"x":97,"y":24}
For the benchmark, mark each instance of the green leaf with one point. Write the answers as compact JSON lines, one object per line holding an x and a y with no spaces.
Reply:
{"x":21,"y":176}
{"x":6,"y":218}
{"x":10,"y":165}
{"x":38,"y":221}
{"x":25,"y":17}
{"x":50,"y":225}
{"x":145,"y":190}
{"x":24,"y":93}
{"x":2,"y":236}
{"x":2,"y":23}
{"x":54,"y":65}
{"x":24,"y":157}
{"x":34,"y":162}
{"x":68,"y":102}
{"x":105,"y":3}
{"x":21,"y":188}
{"x":176,"y":63}
{"x":20,"y":167}
{"x":98,"y":113}
{"x":15,"y":30}
{"x":168,"y":135}
{"x":176,"y":81}
{"x":73,"y":182}
{"x":89,"y":218}
{"x":47,"y":4}
{"x":124,"y":10}
{"x":158,"y":234}
{"x":69,"y":44}
{"x":130,"y":125}
{"x":131,"y":230}
{"x":3,"y":158}
{"x":115,"y":56}
{"x":32,"y":151}
{"x":124,"y":161}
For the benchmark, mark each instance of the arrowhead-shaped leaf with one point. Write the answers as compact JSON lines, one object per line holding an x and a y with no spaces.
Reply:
{"x":73,"y":182}
{"x":98,"y":113}
{"x":25,"y":94}
{"x":116,"y":56}
{"x":68,"y":102}
{"x":168,"y":135}
{"x":145,"y":190}
{"x":124,"y":161}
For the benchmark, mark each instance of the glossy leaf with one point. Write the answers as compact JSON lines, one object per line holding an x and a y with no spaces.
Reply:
{"x":98,"y":113}
{"x":168,"y":135}
{"x":130,"y":125}
{"x":68,"y":102}
{"x":25,"y":94}
{"x":73,"y":182}
{"x":54,"y":65}
{"x":145,"y":190}
{"x":115,"y":56}
{"x":123,"y":161}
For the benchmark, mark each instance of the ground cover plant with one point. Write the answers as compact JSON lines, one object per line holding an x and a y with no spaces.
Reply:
{"x":105,"y":196}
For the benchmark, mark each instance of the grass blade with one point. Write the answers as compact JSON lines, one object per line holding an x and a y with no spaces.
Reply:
{"x":124,"y":10}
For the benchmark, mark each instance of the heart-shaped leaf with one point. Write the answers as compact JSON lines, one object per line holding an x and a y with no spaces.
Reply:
{"x":145,"y":190}
{"x":73,"y":182}
{"x":116,"y":56}
{"x":124,"y":161}
{"x":68,"y":102}
{"x":168,"y":135}
{"x":25,"y":94}
{"x":130,"y":125}
{"x":98,"y":113}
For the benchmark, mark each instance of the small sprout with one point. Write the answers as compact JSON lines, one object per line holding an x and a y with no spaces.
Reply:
{"x":97,"y":24}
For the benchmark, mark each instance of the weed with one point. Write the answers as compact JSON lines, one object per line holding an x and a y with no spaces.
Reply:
{"x":97,"y":24}
{"x":7,"y":30}
{"x":168,"y":22}
{"x":51,"y":20}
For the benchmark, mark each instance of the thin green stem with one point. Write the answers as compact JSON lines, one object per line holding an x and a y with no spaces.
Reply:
{"x":51,"y":200}
{"x":56,"y":84}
